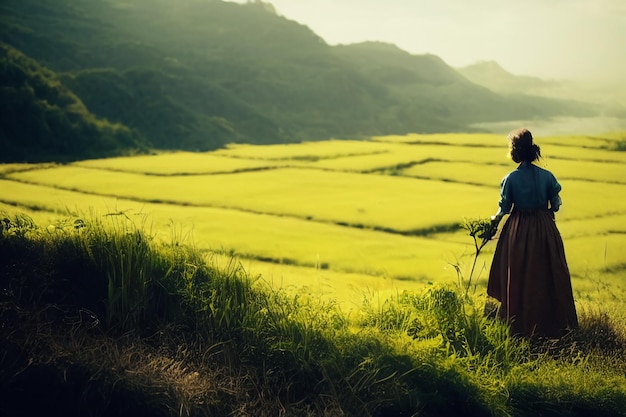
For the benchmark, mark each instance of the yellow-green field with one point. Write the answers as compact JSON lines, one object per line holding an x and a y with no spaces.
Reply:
{"x":346,"y":217}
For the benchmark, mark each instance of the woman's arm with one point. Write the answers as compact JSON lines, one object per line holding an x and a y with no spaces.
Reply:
{"x":506,"y":203}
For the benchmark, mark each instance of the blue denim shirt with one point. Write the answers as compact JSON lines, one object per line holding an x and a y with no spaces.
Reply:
{"x":529,"y":187}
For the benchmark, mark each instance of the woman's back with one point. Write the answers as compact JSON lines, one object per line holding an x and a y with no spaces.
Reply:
{"x":530,"y":187}
{"x":529,"y":273}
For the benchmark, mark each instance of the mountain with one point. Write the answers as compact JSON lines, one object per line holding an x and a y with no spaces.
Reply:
{"x":607,"y":98}
{"x":198,"y":74}
{"x":491,"y":75}
{"x":41,"y":120}
{"x":431,"y":91}
{"x":437,"y":92}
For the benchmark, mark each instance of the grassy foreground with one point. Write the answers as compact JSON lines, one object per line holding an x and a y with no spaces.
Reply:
{"x":98,"y":318}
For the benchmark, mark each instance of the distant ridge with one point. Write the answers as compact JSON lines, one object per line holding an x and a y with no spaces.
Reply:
{"x":197,"y":75}
{"x":491,"y":75}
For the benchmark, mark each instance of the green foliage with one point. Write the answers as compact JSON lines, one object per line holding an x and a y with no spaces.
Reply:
{"x":18,"y":226}
{"x":448,"y":319}
{"x":481,"y":231}
{"x":124,"y":254}
{"x":41,"y":120}
{"x":167,"y":108}
{"x":192,"y":323}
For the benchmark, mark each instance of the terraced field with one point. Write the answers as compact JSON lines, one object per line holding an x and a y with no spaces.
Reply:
{"x":345,"y":217}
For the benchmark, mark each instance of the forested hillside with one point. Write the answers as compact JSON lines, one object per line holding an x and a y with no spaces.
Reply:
{"x":42,"y":120}
{"x":438,"y":93}
{"x":196,"y":75}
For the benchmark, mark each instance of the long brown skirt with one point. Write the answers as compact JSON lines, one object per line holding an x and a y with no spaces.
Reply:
{"x":530,"y":277}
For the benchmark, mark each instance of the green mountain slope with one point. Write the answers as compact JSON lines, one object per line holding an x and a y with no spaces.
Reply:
{"x":196,"y":75}
{"x":426,"y":79}
{"x":40,"y":119}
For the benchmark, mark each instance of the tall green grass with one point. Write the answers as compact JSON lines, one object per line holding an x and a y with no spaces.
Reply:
{"x":111,"y":316}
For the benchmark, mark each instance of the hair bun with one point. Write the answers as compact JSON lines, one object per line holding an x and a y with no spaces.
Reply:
{"x":522,"y":146}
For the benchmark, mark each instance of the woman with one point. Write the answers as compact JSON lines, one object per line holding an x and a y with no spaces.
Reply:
{"x":529,"y":273}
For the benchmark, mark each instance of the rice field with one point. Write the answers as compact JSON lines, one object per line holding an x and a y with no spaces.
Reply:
{"x":497,"y":140}
{"x":398,"y":203}
{"x":179,"y":163}
{"x":344,"y":217}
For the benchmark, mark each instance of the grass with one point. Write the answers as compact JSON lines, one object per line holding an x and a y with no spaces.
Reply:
{"x":279,"y":238}
{"x":339,"y":228}
{"x":324,"y":285}
{"x":207,"y":338}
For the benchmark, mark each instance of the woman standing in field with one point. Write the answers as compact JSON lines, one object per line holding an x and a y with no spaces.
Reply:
{"x":529,"y":273}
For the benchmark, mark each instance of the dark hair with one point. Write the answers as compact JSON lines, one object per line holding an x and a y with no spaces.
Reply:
{"x":522,"y":147}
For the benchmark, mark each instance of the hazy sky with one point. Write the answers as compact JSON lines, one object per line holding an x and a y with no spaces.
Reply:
{"x":546,"y":38}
